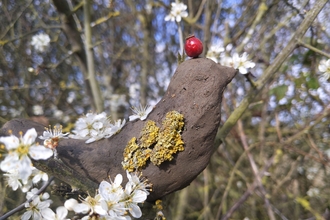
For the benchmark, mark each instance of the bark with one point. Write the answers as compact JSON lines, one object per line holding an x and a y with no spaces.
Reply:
{"x":195,"y":91}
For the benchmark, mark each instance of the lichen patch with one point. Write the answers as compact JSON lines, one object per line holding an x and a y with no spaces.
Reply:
{"x":157,"y":144}
{"x":169,"y":140}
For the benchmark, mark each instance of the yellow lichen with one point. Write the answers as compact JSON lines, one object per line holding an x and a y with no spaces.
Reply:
{"x":169,"y":140}
{"x":135,"y":157}
{"x":149,"y":134}
{"x":159,"y":208}
{"x":156,"y":144}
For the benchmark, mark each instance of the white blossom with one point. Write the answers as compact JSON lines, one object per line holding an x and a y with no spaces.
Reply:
{"x":51,"y":137}
{"x":311,"y":172}
{"x":313,"y":192}
{"x":13,"y":179}
{"x":56,"y":132}
{"x":38,"y":204}
{"x":40,"y":42}
{"x":242,"y":63}
{"x":90,"y":205}
{"x":39,"y":175}
{"x":70,"y":204}
{"x":238,"y":62}
{"x":178,"y":11}
{"x":137,"y":183}
{"x":117,"y":100}
{"x":19,"y":152}
{"x":116,"y":127}
{"x":38,"y":110}
{"x":133,"y":91}
{"x":61,"y":213}
{"x":93,"y":127}
{"x":324,"y":67}
{"x":214,"y":52}
{"x":113,"y":201}
{"x":226,"y":60}
{"x":112,"y":191}
{"x":140,"y":112}
{"x":132,"y":198}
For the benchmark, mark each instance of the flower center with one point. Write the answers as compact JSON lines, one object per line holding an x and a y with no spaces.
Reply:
{"x":90,"y":127}
{"x":22,"y":149}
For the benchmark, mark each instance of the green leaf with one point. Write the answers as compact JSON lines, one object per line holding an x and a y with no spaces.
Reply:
{"x":299,"y":81}
{"x":279,"y":92}
{"x":312,"y":83}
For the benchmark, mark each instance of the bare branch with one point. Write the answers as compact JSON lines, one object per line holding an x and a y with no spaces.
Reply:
{"x":271,"y":72}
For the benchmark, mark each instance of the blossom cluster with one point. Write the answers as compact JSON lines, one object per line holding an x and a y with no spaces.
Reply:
{"x":140,"y":112}
{"x":239,"y":62}
{"x":324,"y":67}
{"x":40,"y":42}
{"x":112,"y":200}
{"x":92,"y":127}
{"x":178,"y":11}
{"x":18,"y":165}
{"x":18,"y":151}
{"x":37,"y":206}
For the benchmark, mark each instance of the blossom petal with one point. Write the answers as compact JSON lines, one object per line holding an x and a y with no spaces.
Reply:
{"x":81,"y":208}
{"x":25,"y":168}
{"x":135,"y":210}
{"x":100,"y":210}
{"x":30,"y":136}
{"x":10,"y":162}
{"x":139,"y":196}
{"x":133,"y":117}
{"x":27,"y":215}
{"x":10,"y":142}
{"x":118,"y":180}
{"x":48,"y":214}
{"x":70,"y":204}
{"x":39,"y":152}
{"x":61,"y":212}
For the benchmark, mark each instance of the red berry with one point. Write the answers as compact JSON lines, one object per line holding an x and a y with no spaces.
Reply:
{"x":193,"y":46}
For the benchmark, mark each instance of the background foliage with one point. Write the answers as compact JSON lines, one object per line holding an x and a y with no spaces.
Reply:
{"x":274,"y":163}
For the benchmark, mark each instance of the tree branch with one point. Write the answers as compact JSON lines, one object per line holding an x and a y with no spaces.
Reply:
{"x":96,"y":93}
{"x":22,"y":206}
{"x":71,"y":31}
{"x":255,"y":170}
{"x":270,"y":72}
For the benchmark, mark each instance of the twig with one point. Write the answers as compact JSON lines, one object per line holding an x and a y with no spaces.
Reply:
{"x":61,"y":171}
{"x":271,"y":72}
{"x":14,"y":22}
{"x":313,"y":49}
{"x":255,"y":170}
{"x":72,"y":28}
{"x":193,"y":20}
{"x":249,"y":191}
{"x":277,"y":126}
{"x":287,"y":177}
{"x":313,"y":145}
{"x":96,"y":93}
{"x":206,"y":210}
{"x":22,"y":206}
{"x":241,"y":200}
{"x":260,"y":13}
{"x":180,"y":38}
{"x":230,"y":181}
{"x":23,"y":87}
